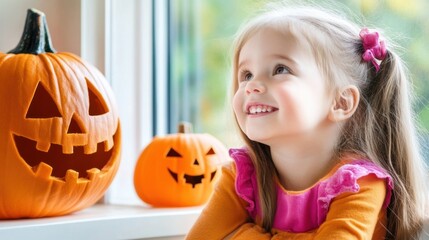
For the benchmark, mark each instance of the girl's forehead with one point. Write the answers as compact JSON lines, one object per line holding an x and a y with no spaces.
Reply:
{"x":274,"y":42}
{"x":287,"y":34}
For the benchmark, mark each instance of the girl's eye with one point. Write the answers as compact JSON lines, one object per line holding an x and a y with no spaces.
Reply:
{"x":280,"y":69}
{"x":246,"y":76}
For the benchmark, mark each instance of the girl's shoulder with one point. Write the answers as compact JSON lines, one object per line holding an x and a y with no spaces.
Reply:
{"x":346,"y":179}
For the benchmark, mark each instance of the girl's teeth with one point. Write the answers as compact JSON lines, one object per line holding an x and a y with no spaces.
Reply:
{"x":259,"y":109}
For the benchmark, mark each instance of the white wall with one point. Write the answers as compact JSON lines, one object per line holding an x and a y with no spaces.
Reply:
{"x":64,"y":19}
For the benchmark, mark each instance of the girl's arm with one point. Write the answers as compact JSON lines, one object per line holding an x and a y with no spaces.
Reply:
{"x":224,"y":213}
{"x":351,"y":216}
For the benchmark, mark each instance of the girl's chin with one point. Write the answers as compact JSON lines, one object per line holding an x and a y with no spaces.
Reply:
{"x":259,"y":136}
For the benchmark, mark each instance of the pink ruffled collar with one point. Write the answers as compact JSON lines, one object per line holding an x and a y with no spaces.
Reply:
{"x":307,"y":210}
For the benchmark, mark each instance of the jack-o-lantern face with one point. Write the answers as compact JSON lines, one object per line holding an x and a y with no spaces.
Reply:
{"x":77,"y":157}
{"x":60,"y":134}
{"x":189,"y":178}
{"x":179,"y":169}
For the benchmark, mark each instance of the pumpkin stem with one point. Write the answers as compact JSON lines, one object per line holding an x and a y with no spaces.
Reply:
{"x":35,"y":39}
{"x":184,"y":127}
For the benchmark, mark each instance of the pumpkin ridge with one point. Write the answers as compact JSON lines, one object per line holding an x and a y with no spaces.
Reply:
{"x":62,"y":60}
{"x":4,"y":58}
{"x":65,"y":66}
{"x":45,"y":59}
{"x":93,"y":72}
{"x":85,"y":66}
{"x":40,"y":206}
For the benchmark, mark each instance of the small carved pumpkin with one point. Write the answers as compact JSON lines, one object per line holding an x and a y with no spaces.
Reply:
{"x":59,"y":128}
{"x":180,"y":169}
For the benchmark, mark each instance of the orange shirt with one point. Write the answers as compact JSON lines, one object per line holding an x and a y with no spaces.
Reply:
{"x":351,"y":215}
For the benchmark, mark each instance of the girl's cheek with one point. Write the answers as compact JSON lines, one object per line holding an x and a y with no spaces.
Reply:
{"x":237,"y":103}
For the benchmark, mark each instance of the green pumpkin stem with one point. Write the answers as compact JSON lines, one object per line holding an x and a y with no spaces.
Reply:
{"x":35,"y":39}
{"x":184,"y":127}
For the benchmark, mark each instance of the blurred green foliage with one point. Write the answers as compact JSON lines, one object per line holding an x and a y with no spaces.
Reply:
{"x":201,"y":38}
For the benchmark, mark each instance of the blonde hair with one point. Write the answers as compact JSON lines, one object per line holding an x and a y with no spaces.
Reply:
{"x":382,"y":129}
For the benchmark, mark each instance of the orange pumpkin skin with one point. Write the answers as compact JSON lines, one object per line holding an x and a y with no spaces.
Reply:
{"x":60,"y":135}
{"x":179,"y":170}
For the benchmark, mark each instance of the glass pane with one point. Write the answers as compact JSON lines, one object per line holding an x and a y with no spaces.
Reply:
{"x":201,"y":33}
{"x":201,"y":37}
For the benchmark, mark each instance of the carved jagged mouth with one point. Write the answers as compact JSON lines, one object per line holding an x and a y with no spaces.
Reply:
{"x":190,"y":179}
{"x":62,"y":163}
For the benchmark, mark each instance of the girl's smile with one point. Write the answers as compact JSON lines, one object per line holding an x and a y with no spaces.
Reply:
{"x":259,"y":109}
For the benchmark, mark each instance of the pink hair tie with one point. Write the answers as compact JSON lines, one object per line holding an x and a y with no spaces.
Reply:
{"x":373,"y":48}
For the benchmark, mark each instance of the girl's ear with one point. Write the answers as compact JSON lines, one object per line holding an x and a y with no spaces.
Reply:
{"x":345,"y":104}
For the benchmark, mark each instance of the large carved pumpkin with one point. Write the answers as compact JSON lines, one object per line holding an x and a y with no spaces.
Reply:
{"x":180,"y":169}
{"x":59,"y":129}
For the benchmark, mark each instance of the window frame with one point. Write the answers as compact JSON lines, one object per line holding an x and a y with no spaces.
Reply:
{"x":137,"y":31}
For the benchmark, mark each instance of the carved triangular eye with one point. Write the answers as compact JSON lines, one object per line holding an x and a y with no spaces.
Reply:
{"x":97,"y":105}
{"x":173,"y":153}
{"x":42,"y":105}
{"x":211,"y":152}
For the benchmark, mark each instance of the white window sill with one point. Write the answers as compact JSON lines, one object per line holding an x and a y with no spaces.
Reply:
{"x":105,"y":222}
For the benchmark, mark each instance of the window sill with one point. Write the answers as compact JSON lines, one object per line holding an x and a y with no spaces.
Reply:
{"x":105,"y":222}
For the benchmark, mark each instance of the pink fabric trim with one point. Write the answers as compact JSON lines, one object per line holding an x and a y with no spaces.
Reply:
{"x":305,"y":211}
{"x":245,"y":182}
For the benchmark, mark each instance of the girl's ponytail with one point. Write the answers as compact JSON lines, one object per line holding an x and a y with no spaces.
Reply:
{"x":389,"y":138}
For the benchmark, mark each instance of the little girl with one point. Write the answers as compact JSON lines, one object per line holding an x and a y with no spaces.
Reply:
{"x":330,"y":147}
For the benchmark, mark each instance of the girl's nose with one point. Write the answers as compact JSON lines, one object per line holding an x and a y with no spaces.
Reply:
{"x":255,"y":86}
